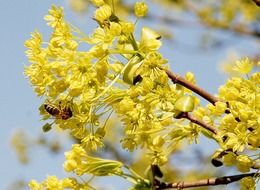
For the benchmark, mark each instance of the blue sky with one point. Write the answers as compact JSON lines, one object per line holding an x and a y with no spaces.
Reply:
{"x":19,"y":105}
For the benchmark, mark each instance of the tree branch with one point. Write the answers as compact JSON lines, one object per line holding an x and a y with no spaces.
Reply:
{"x":205,"y":182}
{"x":257,"y":2}
{"x":196,"y":121}
{"x":180,"y":80}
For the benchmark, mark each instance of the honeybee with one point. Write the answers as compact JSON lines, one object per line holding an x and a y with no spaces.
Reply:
{"x":57,"y":111}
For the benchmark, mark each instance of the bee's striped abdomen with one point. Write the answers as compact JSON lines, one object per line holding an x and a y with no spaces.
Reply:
{"x":57,"y":112}
{"x":52,"y":110}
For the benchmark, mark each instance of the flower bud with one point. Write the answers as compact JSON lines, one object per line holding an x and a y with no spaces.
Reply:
{"x":185,"y":104}
{"x":103,"y":13}
{"x":150,"y":40}
{"x":244,"y":163}
{"x":141,"y":9}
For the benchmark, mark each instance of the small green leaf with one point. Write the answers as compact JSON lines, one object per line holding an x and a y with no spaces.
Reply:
{"x":46,"y":127}
{"x":185,"y":104}
{"x":130,"y":71}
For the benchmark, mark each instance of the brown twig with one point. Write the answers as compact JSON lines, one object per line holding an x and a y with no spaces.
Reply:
{"x":205,"y":182}
{"x":257,"y":2}
{"x":197,"y":121}
{"x":180,"y":80}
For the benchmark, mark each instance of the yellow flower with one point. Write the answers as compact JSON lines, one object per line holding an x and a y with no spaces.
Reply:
{"x":150,"y":40}
{"x":254,"y":139}
{"x":55,"y":17}
{"x":89,"y":164}
{"x":70,"y":165}
{"x":141,"y":9}
{"x":158,"y":141}
{"x":103,"y":13}
{"x":92,"y":142}
{"x":151,"y":67}
{"x":39,"y":75}
{"x":127,"y":27}
{"x":69,"y":183}
{"x":129,"y":142}
{"x":229,"y":159}
{"x":158,"y":157}
{"x":218,"y":109}
{"x":247,"y":183}
{"x":199,"y":113}
{"x":228,"y":123}
{"x":190,"y":77}
{"x":243,"y":66}
{"x":98,"y":3}
{"x":244,"y":163}
{"x":56,"y":87}
{"x":62,"y":36}
{"x":102,"y":71}
{"x":115,"y":29}
{"x":35,"y":53}
{"x":75,"y":88}
{"x":104,"y":39}
{"x":34,"y":44}
{"x":53,"y":183}
{"x":34,"y":185}
{"x":125,"y":105}
{"x":162,"y":98}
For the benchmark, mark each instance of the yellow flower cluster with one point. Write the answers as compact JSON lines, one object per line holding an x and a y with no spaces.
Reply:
{"x":238,"y":116}
{"x":79,"y":162}
{"x":118,"y":73}
{"x":122,"y":75}
{"x":241,"y":127}
{"x":53,"y":183}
